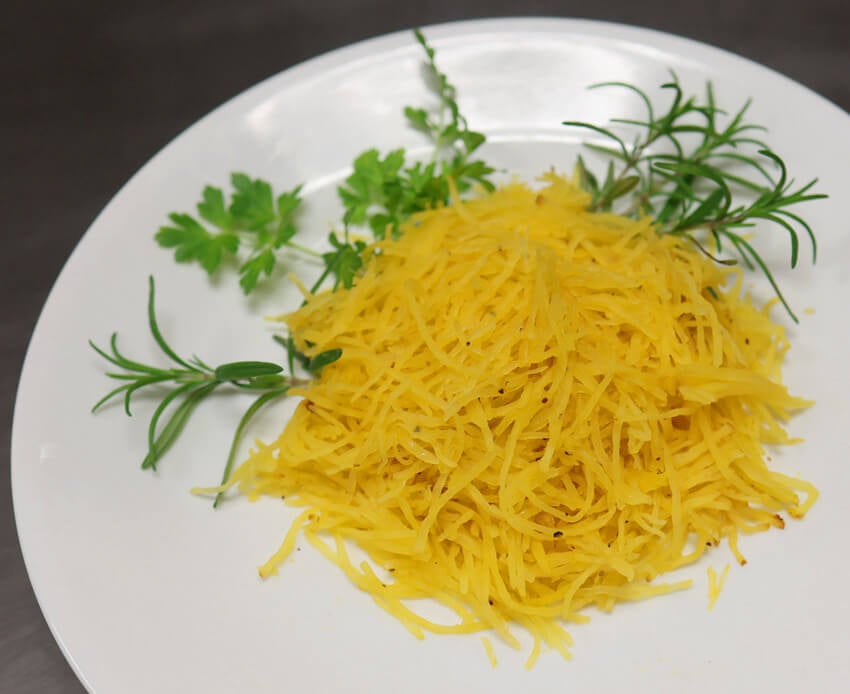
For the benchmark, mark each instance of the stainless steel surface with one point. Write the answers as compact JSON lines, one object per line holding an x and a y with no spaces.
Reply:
{"x":91,"y":90}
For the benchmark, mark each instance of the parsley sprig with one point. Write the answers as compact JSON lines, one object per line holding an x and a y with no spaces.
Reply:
{"x":384,"y":191}
{"x":683,"y":168}
{"x":381,"y":193}
{"x":254,"y":219}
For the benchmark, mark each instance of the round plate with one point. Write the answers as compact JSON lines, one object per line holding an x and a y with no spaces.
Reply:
{"x":147,"y":589}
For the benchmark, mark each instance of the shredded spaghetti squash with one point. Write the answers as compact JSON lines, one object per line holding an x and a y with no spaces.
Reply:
{"x":537,"y":409}
{"x":715,"y":584}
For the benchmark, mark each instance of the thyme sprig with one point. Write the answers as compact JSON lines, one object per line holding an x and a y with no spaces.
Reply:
{"x":683,"y":168}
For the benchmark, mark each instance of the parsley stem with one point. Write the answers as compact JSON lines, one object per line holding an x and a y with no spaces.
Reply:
{"x":303,"y":249}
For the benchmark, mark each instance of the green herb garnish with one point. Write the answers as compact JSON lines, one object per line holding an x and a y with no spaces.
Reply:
{"x":383,"y":192}
{"x":254,"y":219}
{"x":188,"y":383}
{"x":682,"y":167}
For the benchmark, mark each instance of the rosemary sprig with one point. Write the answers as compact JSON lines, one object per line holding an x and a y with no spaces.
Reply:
{"x":683,"y":167}
{"x":188,"y":382}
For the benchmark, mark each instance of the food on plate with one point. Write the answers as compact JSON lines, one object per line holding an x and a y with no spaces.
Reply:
{"x":715,"y":584}
{"x":520,"y":400}
{"x":536,"y":409}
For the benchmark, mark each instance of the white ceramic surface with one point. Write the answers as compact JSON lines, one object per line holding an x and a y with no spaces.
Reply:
{"x":148,"y":590}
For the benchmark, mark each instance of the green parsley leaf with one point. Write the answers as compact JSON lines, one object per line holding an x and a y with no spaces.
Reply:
{"x":213,"y":210}
{"x":192,"y":242}
{"x":253,"y":204}
{"x":261,"y":264}
{"x":254,"y":220}
{"x":382,"y":193}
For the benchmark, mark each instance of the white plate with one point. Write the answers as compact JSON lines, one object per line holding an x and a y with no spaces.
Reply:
{"x":148,"y":590}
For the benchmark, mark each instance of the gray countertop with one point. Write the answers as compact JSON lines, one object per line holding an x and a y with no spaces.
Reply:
{"x":91,"y":90}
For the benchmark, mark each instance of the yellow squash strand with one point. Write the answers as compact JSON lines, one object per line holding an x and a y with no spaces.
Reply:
{"x":537,"y":410}
{"x":715,"y":584}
